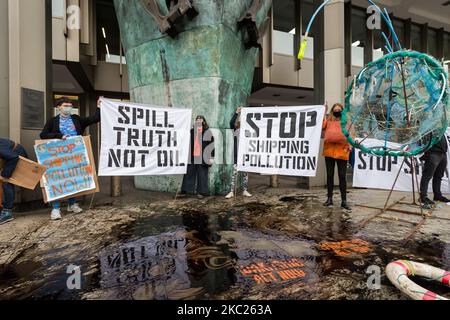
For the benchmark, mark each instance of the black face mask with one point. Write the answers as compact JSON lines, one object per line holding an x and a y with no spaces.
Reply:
{"x":337,"y":114}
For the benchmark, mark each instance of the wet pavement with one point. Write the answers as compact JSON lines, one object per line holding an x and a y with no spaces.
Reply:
{"x":281,"y":244}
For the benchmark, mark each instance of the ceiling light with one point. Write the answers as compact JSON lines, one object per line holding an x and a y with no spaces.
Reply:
{"x":356,"y":43}
{"x":104,"y":33}
{"x":107,"y":51}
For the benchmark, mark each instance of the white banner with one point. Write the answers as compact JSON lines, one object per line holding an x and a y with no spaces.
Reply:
{"x":280,"y":140}
{"x":380,"y":172}
{"x":143,"y":140}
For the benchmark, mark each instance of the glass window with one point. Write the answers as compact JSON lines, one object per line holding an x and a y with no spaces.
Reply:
{"x":58,"y":8}
{"x":432,"y":43}
{"x":284,"y":26}
{"x":379,"y":42}
{"x":416,"y":37}
{"x":359,"y":36}
{"x":447,"y":46}
{"x":307,"y":12}
{"x":399,"y":27}
{"x":108,"y":33}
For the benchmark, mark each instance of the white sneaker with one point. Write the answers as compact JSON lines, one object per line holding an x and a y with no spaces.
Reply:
{"x":247,"y":194}
{"x":229,"y":196}
{"x":55,"y":215}
{"x":75,"y":208}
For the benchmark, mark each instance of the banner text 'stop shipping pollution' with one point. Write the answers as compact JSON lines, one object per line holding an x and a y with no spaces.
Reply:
{"x":69,"y":169}
{"x":280,"y":140}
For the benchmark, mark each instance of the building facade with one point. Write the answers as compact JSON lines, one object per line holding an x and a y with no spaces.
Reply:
{"x":50,"y":48}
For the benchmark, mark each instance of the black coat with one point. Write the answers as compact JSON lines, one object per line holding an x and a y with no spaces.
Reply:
{"x":10,"y":157}
{"x":440,"y":147}
{"x":51,"y":128}
{"x":205,"y":144}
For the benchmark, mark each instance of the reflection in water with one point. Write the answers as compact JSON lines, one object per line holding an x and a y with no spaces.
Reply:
{"x":200,"y":259}
{"x":255,"y":250}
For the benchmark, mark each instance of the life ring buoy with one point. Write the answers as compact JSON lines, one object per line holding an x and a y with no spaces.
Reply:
{"x":398,"y":273}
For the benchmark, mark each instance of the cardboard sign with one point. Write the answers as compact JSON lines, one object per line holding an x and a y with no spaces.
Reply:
{"x":26,"y":175}
{"x":67,"y":171}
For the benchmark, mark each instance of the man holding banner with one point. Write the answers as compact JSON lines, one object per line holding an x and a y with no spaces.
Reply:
{"x":64,"y":126}
{"x":434,"y":168}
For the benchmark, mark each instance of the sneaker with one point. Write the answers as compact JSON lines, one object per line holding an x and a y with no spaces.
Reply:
{"x":229,"y":196}
{"x":441,"y":199}
{"x":427,"y":203}
{"x":329,"y":202}
{"x":247,"y":194}
{"x":182,"y":195}
{"x":200,"y":196}
{"x":6,"y":216}
{"x":55,"y":215}
{"x":345,"y":206}
{"x":75,"y":208}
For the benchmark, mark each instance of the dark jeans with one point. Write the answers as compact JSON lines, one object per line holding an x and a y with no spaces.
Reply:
{"x":199,"y":173}
{"x":434,"y":168}
{"x":342,"y":172}
{"x":9,"y":191}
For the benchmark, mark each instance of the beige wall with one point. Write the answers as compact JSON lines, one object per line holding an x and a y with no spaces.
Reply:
{"x":27,"y":66}
{"x":4,"y":70}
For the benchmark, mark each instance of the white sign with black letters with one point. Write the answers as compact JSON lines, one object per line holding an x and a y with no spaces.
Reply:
{"x":141,"y":140}
{"x":280,"y":140}
{"x":380,"y":172}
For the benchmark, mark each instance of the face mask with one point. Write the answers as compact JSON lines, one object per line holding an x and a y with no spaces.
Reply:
{"x":337,"y":114}
{"x":66,"y":111}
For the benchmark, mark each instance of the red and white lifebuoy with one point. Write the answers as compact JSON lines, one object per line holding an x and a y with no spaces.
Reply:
{"x":399,"y":271}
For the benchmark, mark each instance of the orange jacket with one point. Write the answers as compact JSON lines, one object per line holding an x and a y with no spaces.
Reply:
{"x":336,"y":150}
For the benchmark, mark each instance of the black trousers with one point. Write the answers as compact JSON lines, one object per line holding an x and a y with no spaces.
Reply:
{"x":434,"y":168}
{"x":196,"y":173}
{"x":342,"y":172}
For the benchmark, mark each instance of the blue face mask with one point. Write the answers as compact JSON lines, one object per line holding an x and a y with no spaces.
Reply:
{"x":67,"y":111}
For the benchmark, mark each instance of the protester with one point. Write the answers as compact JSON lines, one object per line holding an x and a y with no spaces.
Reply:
{"x":9,"y":153}
{"x":434,"y":168}
{"x":63,"y":126}
{"x":336,"y":152}
{"x":201,"y":158}
{"x":235,"y":124}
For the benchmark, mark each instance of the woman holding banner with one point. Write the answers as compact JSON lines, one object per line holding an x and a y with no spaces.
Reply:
{"x":235,"y":124}
{"x":336,"y":151}
{"x":63,"y":126}
{"x":202,"y":157}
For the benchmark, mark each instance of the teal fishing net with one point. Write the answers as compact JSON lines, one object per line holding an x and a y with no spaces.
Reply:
{"x":397,"y":105}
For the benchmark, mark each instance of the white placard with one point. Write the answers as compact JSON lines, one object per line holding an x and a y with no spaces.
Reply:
{"x":380,"y":172}
{"x":142,"y":140}
{"x":280,"y":140}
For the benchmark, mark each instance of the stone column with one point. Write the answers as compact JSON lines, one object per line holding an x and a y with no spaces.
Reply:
{"x":329,"y":68}
{"x":205,"y":68}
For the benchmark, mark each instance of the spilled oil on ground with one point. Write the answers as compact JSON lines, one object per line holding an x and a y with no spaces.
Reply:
{"x":271,"y":247}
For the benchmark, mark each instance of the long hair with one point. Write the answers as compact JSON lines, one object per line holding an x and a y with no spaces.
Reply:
{"x":205,"y":123}
{"x":331,"y":117}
